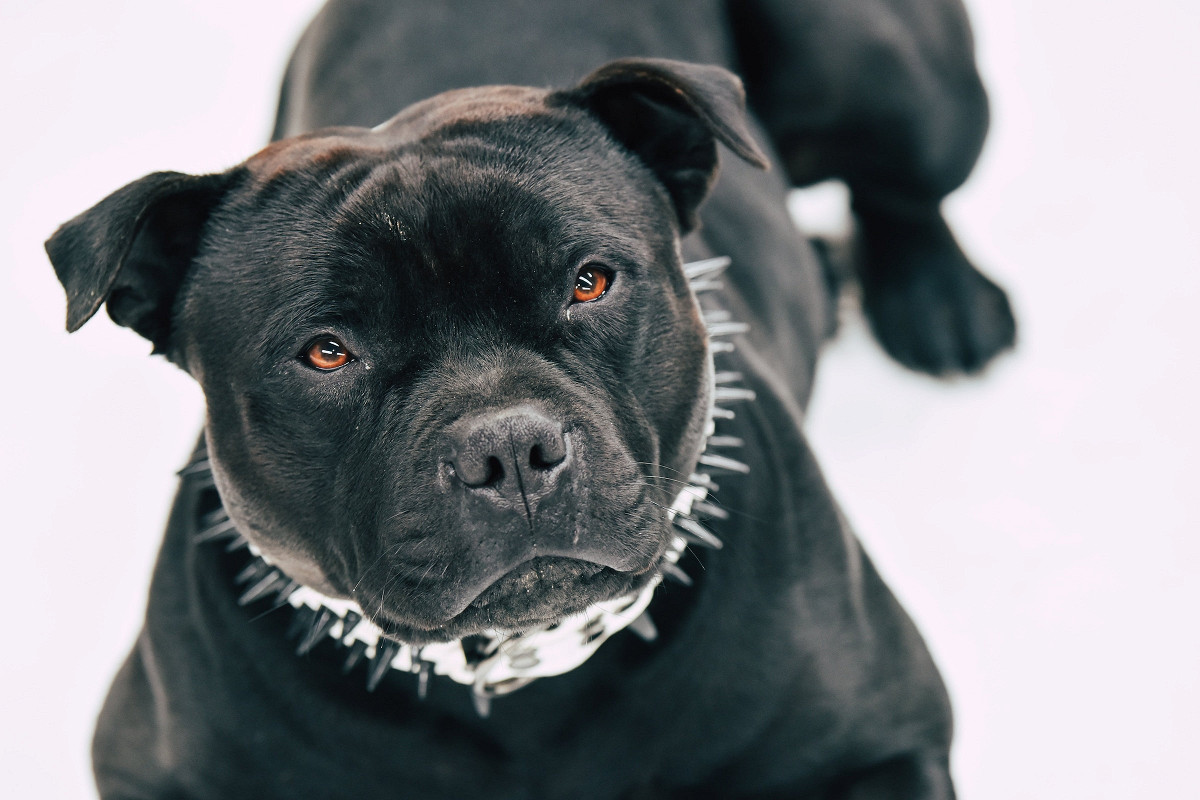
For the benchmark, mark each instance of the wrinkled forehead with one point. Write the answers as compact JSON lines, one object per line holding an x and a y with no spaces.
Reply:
{"x":491,"y":159}
{"x":389,"y":223}
{"x":488,"y":184}
{"x":326,"y":148}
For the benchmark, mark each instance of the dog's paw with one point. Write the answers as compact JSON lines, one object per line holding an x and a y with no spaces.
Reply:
{"x":936,"y":313}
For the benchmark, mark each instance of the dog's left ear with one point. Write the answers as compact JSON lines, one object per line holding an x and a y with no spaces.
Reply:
{"x":671,"y":115}
{"x":133,"y":248}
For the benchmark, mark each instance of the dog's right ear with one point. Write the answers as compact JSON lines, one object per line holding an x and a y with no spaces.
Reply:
{"x":671,"y":114}
{"x":133,"y":248}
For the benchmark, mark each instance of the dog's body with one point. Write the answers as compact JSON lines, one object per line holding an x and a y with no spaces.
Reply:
{"x":788,"y":670}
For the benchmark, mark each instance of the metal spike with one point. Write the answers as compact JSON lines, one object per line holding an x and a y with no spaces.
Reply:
{"x":237,"y":543}
{"x":261,"y":588}
{"x":218,"y":514}
{"x":726,"y":328}
{"x":698,"y":534}
{"x":321,"y":625}
{"x":253,"y":571}
{"x":709,"y":267}
{"x":643,"y":626}
{"x":725,"y":441}
{"x":689,"y":539}
{"x":721,"y":462}
{"x":483,"y":704}
{"x":385,"y":651}
{"x":724,"y":394}
{"x":706,"y":286}
{"x":423,"y":679}
{"x":721,"y":347}
{"x":301,"y":622}
{"x":722,"y":413}
{"x":222,"y":530}
{"x":703,"y":479}
{"x":712,"y":315}
{"x":350,"y":622}
{"x":284,"y":593}
{"x":199,"y":465}
{"x":707,"y":509}
{"x":728,"y":377}
{"x":354,"y":656}
{"x":676,"y":574}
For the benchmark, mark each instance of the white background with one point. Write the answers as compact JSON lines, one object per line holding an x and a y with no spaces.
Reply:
{"x":1040,"y":524}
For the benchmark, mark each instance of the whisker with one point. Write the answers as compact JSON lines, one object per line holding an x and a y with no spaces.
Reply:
{"x":270,"y":610}
{"x":658,"y":466}
{"x":387,"y":553}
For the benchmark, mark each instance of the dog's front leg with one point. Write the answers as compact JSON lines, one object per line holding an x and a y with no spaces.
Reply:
{"x":884,"y":95}
{"x":929,"y":307}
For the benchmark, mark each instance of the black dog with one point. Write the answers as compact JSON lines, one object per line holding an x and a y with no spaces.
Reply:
{"x":459,"y":383}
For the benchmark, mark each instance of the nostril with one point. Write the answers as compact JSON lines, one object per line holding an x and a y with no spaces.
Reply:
{"x":477,"y":472}
{"x":539,"y":458}
{"x":495,"y":472}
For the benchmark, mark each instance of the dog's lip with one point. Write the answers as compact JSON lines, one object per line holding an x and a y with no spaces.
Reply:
{"x":535,"y":570}
{"x":540,"y":579}
{"x":579,"y":579}
{"x":534,"y":575}
{"x":540,"y":571}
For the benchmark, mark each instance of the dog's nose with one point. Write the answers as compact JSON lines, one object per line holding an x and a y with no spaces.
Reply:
{"x":517,"y":451}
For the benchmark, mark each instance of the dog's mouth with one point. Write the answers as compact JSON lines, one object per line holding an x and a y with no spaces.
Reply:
{"x":546,"y":576}
{"x":519,"y":578}
{"x":537,"y":592}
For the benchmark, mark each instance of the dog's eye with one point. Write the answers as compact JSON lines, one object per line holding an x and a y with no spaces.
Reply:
{"x":326,"y":353}
{"x":591,"y":283}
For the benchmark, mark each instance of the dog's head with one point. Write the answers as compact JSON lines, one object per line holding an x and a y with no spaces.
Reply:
{"x":452,"y":366}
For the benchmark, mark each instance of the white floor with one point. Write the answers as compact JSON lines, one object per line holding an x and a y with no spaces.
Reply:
{"x":1037,"y":523}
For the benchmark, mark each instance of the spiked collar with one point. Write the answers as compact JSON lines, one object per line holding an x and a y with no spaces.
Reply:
{"x":495,"y":663}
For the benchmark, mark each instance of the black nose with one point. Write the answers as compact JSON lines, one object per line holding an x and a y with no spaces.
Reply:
{"x":517,"y":451}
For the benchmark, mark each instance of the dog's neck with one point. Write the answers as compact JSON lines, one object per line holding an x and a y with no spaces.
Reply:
{"x":495,"y":663}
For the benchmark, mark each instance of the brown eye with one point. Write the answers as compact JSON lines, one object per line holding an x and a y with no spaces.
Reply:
{"x":327,"y":354}
{"x":590,"y":284}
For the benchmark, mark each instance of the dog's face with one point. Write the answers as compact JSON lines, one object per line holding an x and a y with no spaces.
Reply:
{"x":452,"y":366}
{"x":480,"y":436}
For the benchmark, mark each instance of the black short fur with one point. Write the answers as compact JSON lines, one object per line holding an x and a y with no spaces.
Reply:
{"x":441,"y":250}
